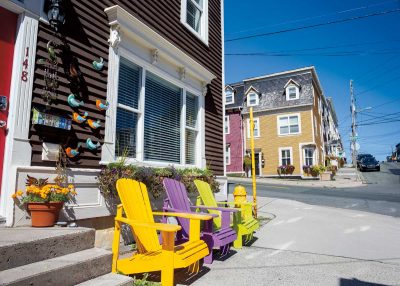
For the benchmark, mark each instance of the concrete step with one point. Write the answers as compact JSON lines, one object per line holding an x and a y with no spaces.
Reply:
{"x":20,"y":246}
{"x":67,"y":270}
{"x":110,"y":279}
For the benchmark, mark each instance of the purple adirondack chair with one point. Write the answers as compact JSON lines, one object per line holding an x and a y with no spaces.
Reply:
{"x":178,"y":201}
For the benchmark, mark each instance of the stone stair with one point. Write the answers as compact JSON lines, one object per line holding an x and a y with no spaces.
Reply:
{"x":55,"y":256}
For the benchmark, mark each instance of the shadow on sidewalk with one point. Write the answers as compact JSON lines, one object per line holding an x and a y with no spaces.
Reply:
{"x":356,"y":282}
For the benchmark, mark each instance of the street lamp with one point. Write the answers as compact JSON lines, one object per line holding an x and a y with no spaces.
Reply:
{"x":56,"y":14}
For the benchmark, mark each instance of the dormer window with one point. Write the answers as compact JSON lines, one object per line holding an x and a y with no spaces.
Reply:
{"x":252,"y":99}
{"x":292,"y":90}
{"x":229,"y":99}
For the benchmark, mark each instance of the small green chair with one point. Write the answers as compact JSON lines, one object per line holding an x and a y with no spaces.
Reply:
{"x":243,"y":222}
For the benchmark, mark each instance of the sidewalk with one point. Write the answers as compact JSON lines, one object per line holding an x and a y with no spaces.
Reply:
{"x":312,"y":245}
{"x":345,"y":178}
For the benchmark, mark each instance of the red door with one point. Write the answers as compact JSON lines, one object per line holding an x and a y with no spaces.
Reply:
{"x":8,"y":24}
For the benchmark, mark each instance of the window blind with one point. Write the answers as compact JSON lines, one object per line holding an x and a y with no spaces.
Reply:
{"x":128,"y":97}
{"x":191,"y":132}
{"x":126,"y":133}
{"x":162,"y":120}
{"x":129,"y":83}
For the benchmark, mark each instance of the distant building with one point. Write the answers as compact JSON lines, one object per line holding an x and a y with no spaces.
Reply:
{"x":234,"y":140}
{"x":294,"y":124}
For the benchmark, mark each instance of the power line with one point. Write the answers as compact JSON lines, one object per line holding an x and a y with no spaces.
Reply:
{"x":379,"y":122}
{"x":314,"y":25}
{"x":312,"y":17}
{"x":327,"y":54}
{"x":376,"y":86}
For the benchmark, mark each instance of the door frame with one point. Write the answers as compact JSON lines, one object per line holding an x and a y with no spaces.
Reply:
{"x":17,"y":148}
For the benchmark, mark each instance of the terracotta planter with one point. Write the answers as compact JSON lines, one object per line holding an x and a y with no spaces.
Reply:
{"x":44,"y":214}
{"x":326,"y":176}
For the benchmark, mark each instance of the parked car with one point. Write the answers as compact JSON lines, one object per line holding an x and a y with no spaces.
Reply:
{"x":369,"y":163}
{"x":362,"y":156}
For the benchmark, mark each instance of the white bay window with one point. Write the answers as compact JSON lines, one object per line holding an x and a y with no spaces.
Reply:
{"x":169,"y":117}
{"x":156,"y":93}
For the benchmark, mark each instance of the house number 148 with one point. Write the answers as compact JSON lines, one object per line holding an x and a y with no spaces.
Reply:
{"x":24,"y":74}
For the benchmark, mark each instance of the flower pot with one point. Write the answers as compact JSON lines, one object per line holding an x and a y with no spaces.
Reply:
{"x":326,"y":176}
{"x":44,"y":214}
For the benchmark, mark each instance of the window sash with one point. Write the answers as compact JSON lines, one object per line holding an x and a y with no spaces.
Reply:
{"x":309,"y":156}
{"x":289,"y":124}
{"x":227,"y":125}
{"x":285,"y":157}
{"x":194,"y":18}
{"x":229,"y":97}
{"x":228,"y":155}
{"x":256,"y":127}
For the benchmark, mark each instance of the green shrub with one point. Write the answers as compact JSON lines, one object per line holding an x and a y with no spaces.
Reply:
{"x":152,"y":177}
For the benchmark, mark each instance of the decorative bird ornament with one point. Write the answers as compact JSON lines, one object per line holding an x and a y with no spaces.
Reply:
{"x":98,"y":65}
{"x":93,"y":124}
{"x":102,"y":106}
{"x":91,"y":146}
{"x":32,"y":181}
{"x":73,"y":102}
{"x":79,"y":118}
{"x":73,"y":152}
{"x":51,"y":51}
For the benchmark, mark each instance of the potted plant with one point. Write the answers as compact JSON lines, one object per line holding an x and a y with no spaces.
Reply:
{"x":307,"y":170}
{"x":247,"y":164}
{"x":44,"y":201}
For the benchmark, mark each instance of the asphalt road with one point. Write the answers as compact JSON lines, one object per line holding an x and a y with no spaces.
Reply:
{"x":380,"y":194}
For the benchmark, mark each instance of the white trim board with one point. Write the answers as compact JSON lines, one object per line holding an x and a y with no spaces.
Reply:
{"x":131,"y":27}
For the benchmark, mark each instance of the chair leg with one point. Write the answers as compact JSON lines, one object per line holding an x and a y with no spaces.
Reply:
{"x":209,"y":258}
{"x":238,"y":243}
{"x":167,"y":276}
{"x":115,"y":246}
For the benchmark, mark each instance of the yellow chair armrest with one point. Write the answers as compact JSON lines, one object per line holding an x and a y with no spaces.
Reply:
{"x":237,"y":203}
{"x":158,"y":226}
{"x":185,"y":215}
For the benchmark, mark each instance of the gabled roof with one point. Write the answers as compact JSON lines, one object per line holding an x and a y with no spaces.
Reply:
{"x":238,"y":94}
{"x":291,"y":81}
{"x":251,"y":88}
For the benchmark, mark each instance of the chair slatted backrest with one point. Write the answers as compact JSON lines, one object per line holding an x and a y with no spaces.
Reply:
{"x":136,"y":204}
{"x":179,"y":200}
{"x":208,"y":199}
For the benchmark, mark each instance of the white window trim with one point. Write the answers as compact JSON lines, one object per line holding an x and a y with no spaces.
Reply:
{"x":203,"y":35}
{"x":248,"y":99}
{"x":132,"y":39}
{"x":227,"y":125}
{"x":288,"y":115}
{"x":140,"y":132}
{"x":233,"y":98}
{"x":297,"y":92}
{"x":304,"y":154}
{"x":291,"y":154}
{"x":257,"y":126}
{"x":228,"y":154}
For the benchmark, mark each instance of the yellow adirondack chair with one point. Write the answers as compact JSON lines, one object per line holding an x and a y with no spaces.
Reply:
{"x":151,"y":255}
{"x":243,"y":222}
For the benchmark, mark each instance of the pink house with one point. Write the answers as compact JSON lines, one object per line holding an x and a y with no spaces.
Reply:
{"x":234,"y":144}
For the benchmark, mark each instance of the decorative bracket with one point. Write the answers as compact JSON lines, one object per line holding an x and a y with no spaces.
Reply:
{"x":155,"y":56}
{"x":204,"y":90}
{"x":115,"y":36}
{"x":182,"y":73}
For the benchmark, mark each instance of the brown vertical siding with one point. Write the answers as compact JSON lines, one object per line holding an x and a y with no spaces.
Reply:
{"x":86,"y":31}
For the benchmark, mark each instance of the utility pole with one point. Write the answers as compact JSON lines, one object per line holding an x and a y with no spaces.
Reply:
{"x":353,"y":126}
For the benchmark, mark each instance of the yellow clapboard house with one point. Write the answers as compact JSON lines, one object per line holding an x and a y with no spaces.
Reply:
{"x":293,"y":122}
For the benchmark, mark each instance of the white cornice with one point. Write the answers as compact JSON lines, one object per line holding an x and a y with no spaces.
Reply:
{"x":132,"y":27}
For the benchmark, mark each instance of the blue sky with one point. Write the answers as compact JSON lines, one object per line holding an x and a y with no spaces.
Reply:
{"x":374,"y":63}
